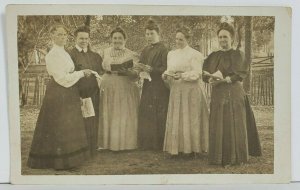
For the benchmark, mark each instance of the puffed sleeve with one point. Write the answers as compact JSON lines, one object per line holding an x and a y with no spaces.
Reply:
{"x":207,"y":65}
{"x":57,"y":69}
{"x":196,"y":68}
{"x":239,"y":66}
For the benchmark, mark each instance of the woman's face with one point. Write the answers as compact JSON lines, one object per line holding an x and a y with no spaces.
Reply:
{"x":82,"y":39}
{"x":225,"y":39}
{"x":118,"y":40}
{"x":152,"y":36}
{"x":181,"y":41}
{"x":60,"y":36}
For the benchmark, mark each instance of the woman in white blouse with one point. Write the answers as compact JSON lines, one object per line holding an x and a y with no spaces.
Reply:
{"x":187,"y":120}
{"x":59,"y":139}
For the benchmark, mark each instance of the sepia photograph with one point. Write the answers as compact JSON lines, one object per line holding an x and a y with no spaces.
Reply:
{"x":146,"y":94}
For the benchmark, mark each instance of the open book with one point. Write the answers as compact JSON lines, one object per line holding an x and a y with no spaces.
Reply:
{"x":125,"y":65}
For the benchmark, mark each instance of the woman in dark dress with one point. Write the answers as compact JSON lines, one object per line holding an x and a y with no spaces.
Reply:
{"x":233,"y":134}
{"x":155,"y":95}
{"x":59,"y":139}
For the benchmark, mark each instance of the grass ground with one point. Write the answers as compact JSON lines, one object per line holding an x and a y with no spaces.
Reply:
{"x":149,"y":162}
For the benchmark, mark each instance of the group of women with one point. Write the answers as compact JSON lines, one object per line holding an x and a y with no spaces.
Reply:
{"x":171,"y":114}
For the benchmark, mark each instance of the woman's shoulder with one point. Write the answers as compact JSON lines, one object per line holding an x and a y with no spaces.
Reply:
{"x":52,"y":53}
{"x":237,"y":52}
{"x":172,"y":52}
{"x":196,"y":52}
{"x":129,"y":51}
{"x":107,"y":50}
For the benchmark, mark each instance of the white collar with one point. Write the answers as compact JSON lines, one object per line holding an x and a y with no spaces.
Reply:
{"x":183,"y":49}
{"x":58,"y":47}
{"x":80,"y":49}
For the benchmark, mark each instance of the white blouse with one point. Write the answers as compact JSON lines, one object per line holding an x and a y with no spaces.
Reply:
{"x":188,"y":61}
{"x":61,"y":67}
{"x":111,"y":56}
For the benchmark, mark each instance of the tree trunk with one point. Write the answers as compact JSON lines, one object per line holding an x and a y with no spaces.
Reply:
{"x":248,"y":51}
{"x":87,"y":21}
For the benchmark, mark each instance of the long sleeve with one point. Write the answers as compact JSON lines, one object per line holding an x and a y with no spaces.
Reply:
{"x":196,"y":68}
{"x":160,"y":68}
{"x":205,"y":78}
{"x":61,"y":70}
{"x":239,"y":66}
{"x":99,"y":69}
{"x":168,"y":80}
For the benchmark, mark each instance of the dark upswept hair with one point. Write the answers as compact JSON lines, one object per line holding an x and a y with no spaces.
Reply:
{"x":151,"y":25}
{"x":118,"y":29}
{"x":56,"y":26}
{"x":84,"y":28}
{"x":186,"y":31}
{"x":228,"y":27}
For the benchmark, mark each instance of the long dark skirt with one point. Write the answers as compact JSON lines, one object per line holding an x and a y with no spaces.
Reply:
{"x":92,"y":126}
{"x":231,"y":126}
{"x":59,"y":139}
{"x":153,"y":115}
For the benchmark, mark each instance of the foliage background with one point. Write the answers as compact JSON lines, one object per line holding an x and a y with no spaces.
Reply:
{"x":34,"y":39}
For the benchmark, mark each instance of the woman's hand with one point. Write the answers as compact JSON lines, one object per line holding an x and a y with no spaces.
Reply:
{"x":166,"y":77}
{"x":122,"y":70}
{"x":148,"y":68}
{"x":87,"y":72}
{"x":228,"y":79}
{"x":216,"y":82}
{"x":177,"y":76}
{"x":128,"y":72}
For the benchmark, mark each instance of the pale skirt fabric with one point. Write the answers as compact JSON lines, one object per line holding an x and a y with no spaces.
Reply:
{"x":187,"y":120}
{"x":119,"y":101}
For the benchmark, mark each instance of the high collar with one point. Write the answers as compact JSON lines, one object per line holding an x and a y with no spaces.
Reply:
{"x":80,"y":49}
{"x":58,"y":47}
{"x":119,"y":49}
{"x":186,"y":47}
{"x":226,"y":50}
{"x":155,"y":44}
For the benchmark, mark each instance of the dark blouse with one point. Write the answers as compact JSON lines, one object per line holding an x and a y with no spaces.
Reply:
{"x":155,"y":55}
{"x":88,"y":60}
{"x":231,"y":63}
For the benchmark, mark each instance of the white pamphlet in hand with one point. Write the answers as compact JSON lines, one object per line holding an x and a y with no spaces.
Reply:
{"x":218,"y":74}
{"x":87,"y":108}
{"x":145,"y":75}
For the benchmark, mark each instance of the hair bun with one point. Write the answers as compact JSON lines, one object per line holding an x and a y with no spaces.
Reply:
{"x":118,"y":29}
{"x":185,"y":30}
{"x":152,"y":25}
{"x":151,"y":22}
{"x":227,"y":24}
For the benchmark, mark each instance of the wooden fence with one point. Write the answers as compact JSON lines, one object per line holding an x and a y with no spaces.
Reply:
{"x":33,"y":87}
{"x":262,"y":90}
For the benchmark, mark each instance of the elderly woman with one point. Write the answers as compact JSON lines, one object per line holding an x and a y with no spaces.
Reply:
{"x":119,"y":96}
{"x":59,"y":139}
{"x":187,"y":120}
{"x":231,"y":117}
